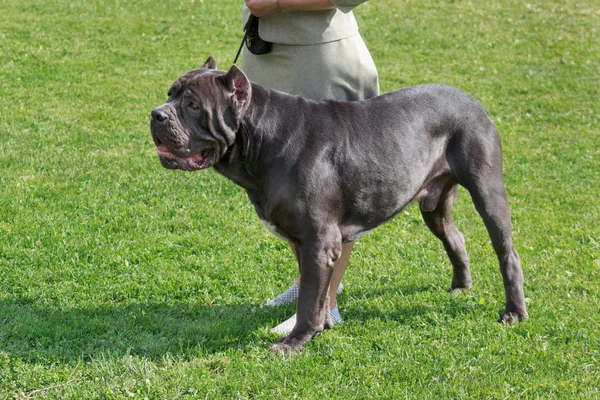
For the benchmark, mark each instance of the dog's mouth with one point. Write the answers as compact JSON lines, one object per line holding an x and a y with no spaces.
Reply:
{"x":191,"y":163}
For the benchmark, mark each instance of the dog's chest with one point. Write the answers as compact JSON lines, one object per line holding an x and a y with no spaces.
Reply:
{"x":263,"y":210}
{"x":260,"y":203}
{"x":273,"y":229}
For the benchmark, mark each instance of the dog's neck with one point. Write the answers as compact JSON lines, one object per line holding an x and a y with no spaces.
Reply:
{"x":264,"y":121}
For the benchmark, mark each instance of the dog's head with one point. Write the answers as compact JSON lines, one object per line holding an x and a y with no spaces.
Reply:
{"x":199,"y":121}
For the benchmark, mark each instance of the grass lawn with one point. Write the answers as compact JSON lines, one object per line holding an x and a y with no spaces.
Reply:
{"x":120,"y":279}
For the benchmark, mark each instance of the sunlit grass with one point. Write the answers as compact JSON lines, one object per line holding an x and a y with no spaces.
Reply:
{"x":119,"y":279}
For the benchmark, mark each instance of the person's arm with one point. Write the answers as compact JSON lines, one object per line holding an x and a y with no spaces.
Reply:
{"x":260,"y":8}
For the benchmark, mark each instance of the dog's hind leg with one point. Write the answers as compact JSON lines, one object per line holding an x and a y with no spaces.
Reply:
{"x":480,"y":172}
{"x":439,"y":221}
{"x":491,"y":202}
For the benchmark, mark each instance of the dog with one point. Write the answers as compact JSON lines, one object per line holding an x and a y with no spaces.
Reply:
{"x":322,"y":173}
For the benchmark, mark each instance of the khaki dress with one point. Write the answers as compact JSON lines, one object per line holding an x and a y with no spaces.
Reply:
{"x":316,"y":54}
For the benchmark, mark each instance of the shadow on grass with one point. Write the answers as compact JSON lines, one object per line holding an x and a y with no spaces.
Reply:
{"x":401,"y":314}
{"x":389,"y":289}
{"x":42,"y":333}
{"x":416,"y":302}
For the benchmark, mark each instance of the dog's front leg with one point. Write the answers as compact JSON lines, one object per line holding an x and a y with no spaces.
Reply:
{"x":312,"y":311}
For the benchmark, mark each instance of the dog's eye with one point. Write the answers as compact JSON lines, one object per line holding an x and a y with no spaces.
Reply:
{"x":193,"y":106}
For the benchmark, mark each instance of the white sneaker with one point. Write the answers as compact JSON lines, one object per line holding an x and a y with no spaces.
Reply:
{"x":286,"y":326}
{"x":291,"y":295}
{"x":285,"y":298}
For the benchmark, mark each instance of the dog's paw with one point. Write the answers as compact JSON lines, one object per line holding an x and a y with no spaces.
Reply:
{"x":292,"y":343}
{"x":514,"y":317}
{"x":458,"y":289}
{"x":284,"y":349}
{"x":461,"y":282}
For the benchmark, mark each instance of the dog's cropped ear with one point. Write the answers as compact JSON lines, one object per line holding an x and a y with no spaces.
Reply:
{"x":238,"y":85}
{"x":210,"y":63}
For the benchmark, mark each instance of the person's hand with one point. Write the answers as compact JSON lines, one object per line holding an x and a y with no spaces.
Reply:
{"x":260,"y":8}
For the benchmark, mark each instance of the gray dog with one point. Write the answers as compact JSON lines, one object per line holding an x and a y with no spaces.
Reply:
{"x":322,"y":173}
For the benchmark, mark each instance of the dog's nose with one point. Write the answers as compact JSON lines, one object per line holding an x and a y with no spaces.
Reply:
{"x":159,"y":115}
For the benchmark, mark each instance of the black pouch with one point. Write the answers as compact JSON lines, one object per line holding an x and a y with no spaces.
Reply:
{"x":254,"y":43}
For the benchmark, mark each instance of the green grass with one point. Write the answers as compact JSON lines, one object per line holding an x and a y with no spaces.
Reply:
{"x":119,"y":279}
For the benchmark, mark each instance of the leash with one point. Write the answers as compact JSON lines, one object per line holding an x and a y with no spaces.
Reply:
{"x":241,"y":45}
{"x":246,"y":29}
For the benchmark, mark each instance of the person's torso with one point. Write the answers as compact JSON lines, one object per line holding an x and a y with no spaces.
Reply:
{"x":305,"y":27}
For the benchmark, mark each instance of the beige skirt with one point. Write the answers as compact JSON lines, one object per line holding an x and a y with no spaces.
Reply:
{"x":340,"y":70}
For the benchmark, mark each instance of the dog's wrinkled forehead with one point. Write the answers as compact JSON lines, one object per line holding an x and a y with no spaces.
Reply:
{"x":188,"y":79}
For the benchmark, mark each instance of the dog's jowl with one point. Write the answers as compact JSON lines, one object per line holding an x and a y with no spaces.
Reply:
{"x":321,"y":173}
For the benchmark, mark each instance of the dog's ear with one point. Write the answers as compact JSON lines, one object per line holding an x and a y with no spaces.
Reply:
{"x":238,"y":84}
{"x":210,"y":63}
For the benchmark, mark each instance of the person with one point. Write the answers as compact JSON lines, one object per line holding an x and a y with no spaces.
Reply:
{"x":317,"y":52}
